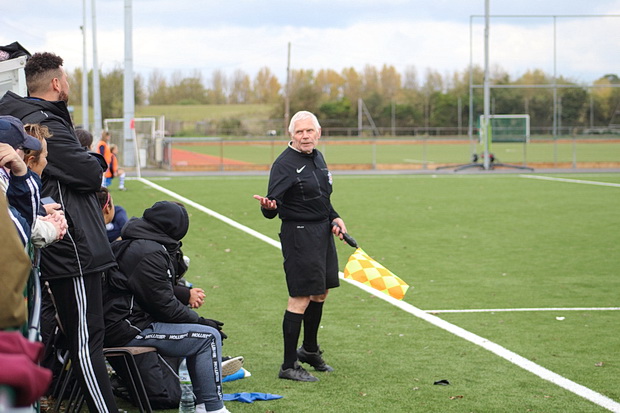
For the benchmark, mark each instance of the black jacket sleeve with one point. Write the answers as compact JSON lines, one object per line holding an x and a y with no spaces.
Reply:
{"x":70,"y":163}
{"x":182,"y":294}
{"x":279,"y":183}
{"x":153,"y":290}
{"x":23,"y":194}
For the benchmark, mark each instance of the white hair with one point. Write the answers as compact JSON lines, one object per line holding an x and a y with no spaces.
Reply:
{"x":301,"y":115}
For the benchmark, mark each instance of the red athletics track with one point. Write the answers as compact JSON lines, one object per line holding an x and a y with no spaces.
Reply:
{"x":183,"y":158}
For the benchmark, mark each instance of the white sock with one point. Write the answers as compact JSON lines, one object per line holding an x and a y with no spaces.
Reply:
{"x":121,"y":180}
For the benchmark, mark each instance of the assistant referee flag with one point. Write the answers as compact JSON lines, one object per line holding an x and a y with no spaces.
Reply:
{"x":364,"y":269}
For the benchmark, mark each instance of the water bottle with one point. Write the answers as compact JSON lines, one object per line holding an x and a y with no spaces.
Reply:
{"x":187,"y":392}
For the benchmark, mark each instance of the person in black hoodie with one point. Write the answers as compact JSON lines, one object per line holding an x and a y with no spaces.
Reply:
{"x":141,"y":308}
{"x":74,"y":266}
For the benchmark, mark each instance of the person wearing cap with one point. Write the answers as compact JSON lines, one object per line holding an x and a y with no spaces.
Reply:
{"x":74,"y":266}
{"x":20,"y":184}
{"x":141,"y":308}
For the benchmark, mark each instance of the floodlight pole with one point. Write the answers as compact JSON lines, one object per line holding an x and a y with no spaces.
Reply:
{"x":96,"y":88}
{"x":287,"y":91}
{"x":131,"y":154}
{"x":487,"y":90}
{"x":85,"y":114}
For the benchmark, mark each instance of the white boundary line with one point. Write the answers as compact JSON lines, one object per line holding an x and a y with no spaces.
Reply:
{"x":572,"y":181}
{"x":506,"y":354}
{"x":214,"y":214}
{"x":507,"y":310}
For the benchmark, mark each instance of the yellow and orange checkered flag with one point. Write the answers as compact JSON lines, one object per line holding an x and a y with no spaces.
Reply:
{"x":364,"y":269}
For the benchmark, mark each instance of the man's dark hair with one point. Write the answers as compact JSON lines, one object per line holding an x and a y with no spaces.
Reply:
{"x":40,"y":69}
{"x":85,"y":137}
{"x":103,"y":196}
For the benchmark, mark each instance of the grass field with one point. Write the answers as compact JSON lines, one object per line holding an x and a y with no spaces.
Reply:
{"x":463,"y":242}
{"x":413,"y":152}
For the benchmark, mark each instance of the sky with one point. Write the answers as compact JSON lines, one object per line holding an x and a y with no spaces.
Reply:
{"x":186,"y":36}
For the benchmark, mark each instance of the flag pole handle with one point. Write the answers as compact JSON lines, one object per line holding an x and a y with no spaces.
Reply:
{"x":348,"y":239}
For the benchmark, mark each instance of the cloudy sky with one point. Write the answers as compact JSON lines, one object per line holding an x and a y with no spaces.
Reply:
{"x":187,"y":35}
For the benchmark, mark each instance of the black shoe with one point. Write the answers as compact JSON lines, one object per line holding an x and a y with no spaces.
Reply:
{"x":314,"y":359}
{"x":297,"y":373}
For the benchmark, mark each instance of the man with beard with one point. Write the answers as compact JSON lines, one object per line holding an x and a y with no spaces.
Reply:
{"x":74,"y":266}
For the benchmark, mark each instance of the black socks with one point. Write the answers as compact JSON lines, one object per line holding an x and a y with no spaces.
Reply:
{"x":291,"y":328}
{"x":312,"y":322}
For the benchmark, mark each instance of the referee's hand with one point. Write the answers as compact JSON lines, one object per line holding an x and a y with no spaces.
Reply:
{"x":266,"y":203}
{"x":338,"y":228}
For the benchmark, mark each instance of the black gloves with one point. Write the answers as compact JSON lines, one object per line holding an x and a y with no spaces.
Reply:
{"x":215,"y":324}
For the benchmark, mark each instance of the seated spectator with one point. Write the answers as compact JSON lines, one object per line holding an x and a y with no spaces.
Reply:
{"x":115,"y":216}
{"x":85,"y":138}
{"x":20,"y":184}
{"x":141,"y":308}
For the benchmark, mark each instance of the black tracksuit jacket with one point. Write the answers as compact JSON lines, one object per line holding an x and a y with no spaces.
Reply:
{"x":71,"y":178}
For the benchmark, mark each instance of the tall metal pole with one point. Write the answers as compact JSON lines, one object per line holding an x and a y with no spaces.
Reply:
{"x":96,"y":90}
{"x":85,"y":114}
{"x":393,"y":117}
{"x":287,"y":98}
{"x":131,"y":154}
{"x":359,"y":117}
{"x":470,"y":127}
{"x":555,"y":83}
{"x":487,"y":90}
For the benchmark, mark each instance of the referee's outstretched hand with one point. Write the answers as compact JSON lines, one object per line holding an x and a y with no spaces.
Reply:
{"x":266,"y":203}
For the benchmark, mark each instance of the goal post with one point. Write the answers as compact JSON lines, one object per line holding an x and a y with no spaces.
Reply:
{"x":146,"y":135}
{"x":508,"y":128}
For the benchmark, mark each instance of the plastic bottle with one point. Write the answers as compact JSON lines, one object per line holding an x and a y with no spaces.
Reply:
{"x":187,"y":392}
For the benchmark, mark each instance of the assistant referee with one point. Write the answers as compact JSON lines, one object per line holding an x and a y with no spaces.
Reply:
{"x":300,"y":186}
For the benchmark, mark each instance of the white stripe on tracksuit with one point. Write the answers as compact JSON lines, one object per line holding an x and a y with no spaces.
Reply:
{"x":83,"y":348}
{"x":83,"y":337}
{"x":35,"y":198}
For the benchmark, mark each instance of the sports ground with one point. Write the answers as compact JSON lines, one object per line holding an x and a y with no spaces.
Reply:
{"x":413,"y":153}
{"x":514,"y":297}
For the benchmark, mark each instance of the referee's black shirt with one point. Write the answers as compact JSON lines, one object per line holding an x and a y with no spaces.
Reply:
{"x":301,"y":184}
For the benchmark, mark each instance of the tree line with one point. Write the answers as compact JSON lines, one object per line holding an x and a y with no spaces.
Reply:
{"x":391,"y":98}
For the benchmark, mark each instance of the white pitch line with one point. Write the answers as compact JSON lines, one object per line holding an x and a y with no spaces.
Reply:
{"x":512,"y":357}
{"x":504,"y":353}
{"x":214,"y":214}
{"x":572,"y":181}
{"x":509,"y":310}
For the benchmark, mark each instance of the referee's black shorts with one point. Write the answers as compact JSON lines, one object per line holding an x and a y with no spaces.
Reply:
{"x":310,"y":258}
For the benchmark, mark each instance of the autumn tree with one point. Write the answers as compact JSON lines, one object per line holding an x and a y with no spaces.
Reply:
{"x":330,"y":84}
{"x":240,"y":88}
{"x":266,"y":87}
{"x":218,"y":93}
{"x":352,"y":88}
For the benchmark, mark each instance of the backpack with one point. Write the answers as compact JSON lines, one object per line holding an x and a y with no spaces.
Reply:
{"x":159,"y":375}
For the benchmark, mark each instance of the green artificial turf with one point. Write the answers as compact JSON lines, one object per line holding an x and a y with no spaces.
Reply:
{"x":496,"y":241}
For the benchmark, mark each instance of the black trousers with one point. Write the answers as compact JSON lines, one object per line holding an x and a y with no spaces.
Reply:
{"x":78,"y":301}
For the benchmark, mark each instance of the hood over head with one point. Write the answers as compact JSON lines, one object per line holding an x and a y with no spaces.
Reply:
{"x":169,"y":217}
